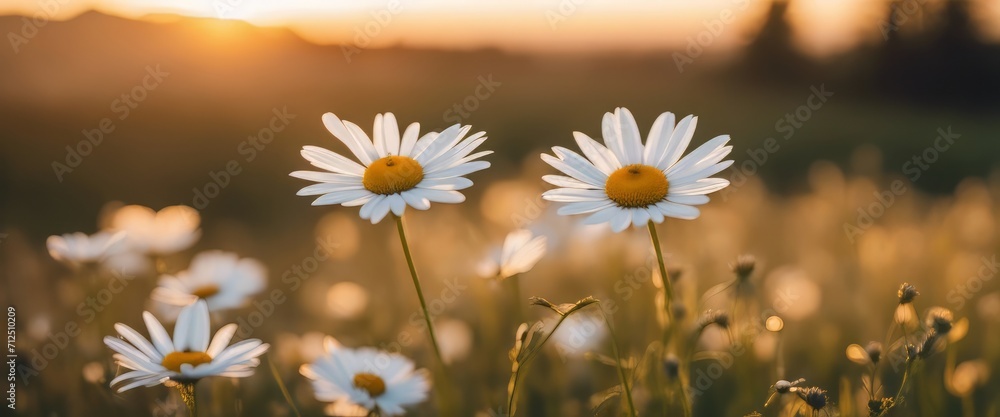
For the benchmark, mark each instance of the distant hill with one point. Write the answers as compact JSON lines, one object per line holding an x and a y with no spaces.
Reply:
{"x":227,"y":77}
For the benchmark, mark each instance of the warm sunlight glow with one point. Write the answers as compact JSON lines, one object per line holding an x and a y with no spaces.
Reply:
{"x":822,"y":27}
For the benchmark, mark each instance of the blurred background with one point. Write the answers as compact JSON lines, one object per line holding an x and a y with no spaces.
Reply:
{"x":206,"y":103}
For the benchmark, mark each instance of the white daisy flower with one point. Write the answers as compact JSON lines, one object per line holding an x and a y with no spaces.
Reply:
{"x":79,"y":248}
{"x":395,"y":170}
{"x":223,"y":279}
{"x":626,"y":182}
{"x":367,"y":377}
{"x":163,"y":232}
{"x":520,"y":252}
{"x":188,"y":357}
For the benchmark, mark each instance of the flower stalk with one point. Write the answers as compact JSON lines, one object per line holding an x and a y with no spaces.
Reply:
{"x":668,"y":297}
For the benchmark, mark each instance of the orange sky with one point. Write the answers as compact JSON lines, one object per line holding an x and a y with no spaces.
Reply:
{"x":822,"y":26}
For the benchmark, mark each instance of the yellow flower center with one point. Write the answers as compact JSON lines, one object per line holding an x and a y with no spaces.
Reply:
{"x":205,"y":291}
{"x":636,"y":186}
{"x":174,"y":360}
{"x":392,"y":174}
{"x":371,"y":383}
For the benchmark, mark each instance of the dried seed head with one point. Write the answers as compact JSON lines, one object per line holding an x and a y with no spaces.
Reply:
{"x":911,"y":352}
{"x":814,"y":397}
{"x":874,"y":350}
{"x":671,"y":367}
{"x":743,"y":266}
{"x":907,"y":293}
{"x":940,"y":320}
{"x":877,"y":406}
{"x":928,"y":345}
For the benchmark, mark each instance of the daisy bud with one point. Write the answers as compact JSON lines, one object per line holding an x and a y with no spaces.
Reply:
{"x":671,"y":367}
{"x":743,"y":266}
{"x":874,"y":350}
{"x":680,"y":312}
{"x":907,"y":293}
{"x":782,"y":386}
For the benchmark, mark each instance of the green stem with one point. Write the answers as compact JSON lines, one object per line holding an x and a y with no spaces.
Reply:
{"x":618,"y":363}
{"x":522,"y":363}
{"x":420,"y":292}
{"x":427,"y":316}
{"x":281,"y":385}
{"x":668,"y":297}
{"x":188,"y":394}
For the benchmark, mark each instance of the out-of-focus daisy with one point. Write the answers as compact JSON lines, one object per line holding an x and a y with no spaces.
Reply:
{"x":346,"y":300}
{"x":367,"y":377}
{"x":456,"y":339}
{"x":79,"y":248}
{"x":222,"y":279}
{"x":520,"y":252}
{"x":185,"y":358}
{"x":395,"y":170}
{"x":626,"y":182}
{"x":163,"y":232}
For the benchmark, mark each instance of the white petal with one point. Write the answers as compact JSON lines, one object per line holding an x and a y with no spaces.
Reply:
{"x":440,"y":196}
{"x":327,"y":177}
{"x":580,"y":163}
{"x":352,"y":136}
{"x":340,"y":197}
{"x":678,"y":143}
{"x":464,"y":169}
{"x":602,"y":216}
{"x":705,"y":172}
{"x":621,"y":220}
{"x":413,"y":199}
{"x":138,"y":341}
{"x":454,"y":183}
{"x":158,"y":335}
{"x":331,"y":161}
{"x":596,"y":181}
{"x":679,"y":211}
{"x":567,"y":182}
{"x":369,"y":207}
{"x":410,"y":136}
{"x":658,"y":138}
{"x":572,"y":195}
{"x":326,"y":188}
{"x":629,"y":132}
{"x":222,"y":339}
{"x":712,"y":150}
{"x":702,"y":186}
{"x":691,"y":200}
{"x":600,"y":156}
{"x":397,"y":204}
{"x":583,"y":207}
{"x":612,"y":138}
{"x":640,"y":217}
